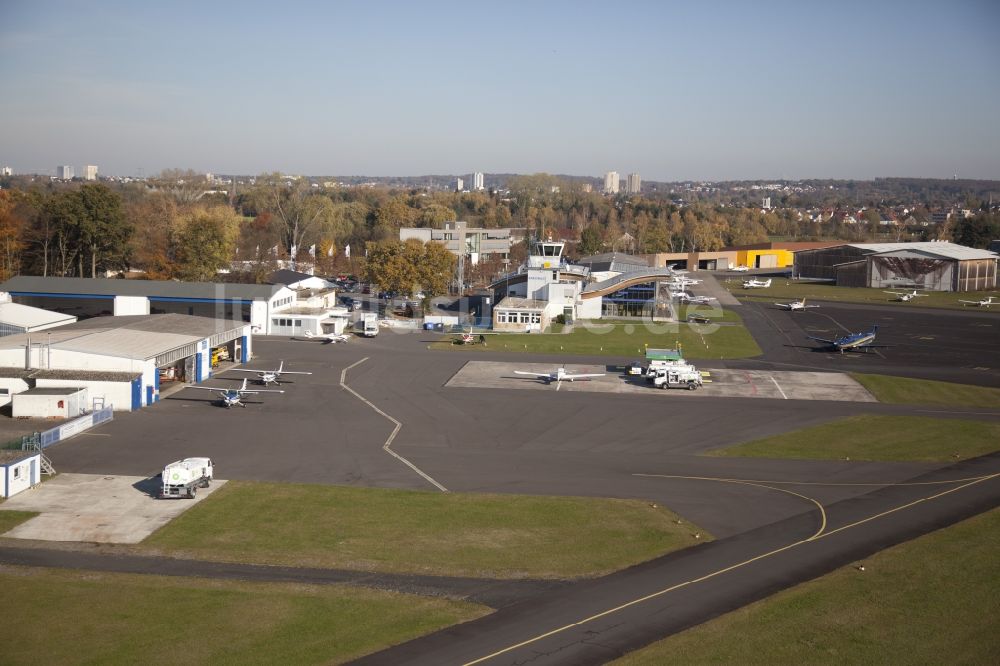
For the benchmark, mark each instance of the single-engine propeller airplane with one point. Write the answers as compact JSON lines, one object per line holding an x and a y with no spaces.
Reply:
{"x":796,"y":305}
{"x":470,"y":338}
{"x":559,"y":376}
{"x":982,"y":302}
{"x":754,"y":283}
{"x":904,"y":296}
{"x":850,"y":341}
{"x":233,"y":397}
{"x":266,"y":377}
{"x":328,"y":338}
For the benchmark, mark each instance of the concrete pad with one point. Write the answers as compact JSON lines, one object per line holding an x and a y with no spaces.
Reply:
{"x":97,"y":508}
{"x":773,"y":385}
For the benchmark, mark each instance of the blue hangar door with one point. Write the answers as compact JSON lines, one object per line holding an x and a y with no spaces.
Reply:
{"x":137,"y":392}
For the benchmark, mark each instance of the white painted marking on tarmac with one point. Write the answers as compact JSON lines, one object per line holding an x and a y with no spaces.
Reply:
{"x":778,"y":387}
{"x":732,"y":567}
{"x":387,"y":447}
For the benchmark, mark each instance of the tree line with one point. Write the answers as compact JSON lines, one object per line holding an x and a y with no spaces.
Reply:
{"x":179,"y":226}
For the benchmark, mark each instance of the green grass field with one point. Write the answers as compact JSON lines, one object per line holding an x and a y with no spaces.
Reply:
{"x":630,"y":338}
{"x":11,"y":519}
{"x":905,"y":391}
{"x":457,"y":534}
{"x":70,"y":617}
{"x":787,"y":289}
{"x":872,"y":437}
{"x":930,"y":601}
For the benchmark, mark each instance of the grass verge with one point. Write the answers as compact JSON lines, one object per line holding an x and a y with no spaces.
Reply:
{"x":629,"y":338}
{"x":784,"y":288}
{"x":70,"y":617}
{"x":455,"y":534}
{"x":11,"y":519}
{"x":930,"y":601}
{"x":906,"y":391}
{"x":873,"y":437}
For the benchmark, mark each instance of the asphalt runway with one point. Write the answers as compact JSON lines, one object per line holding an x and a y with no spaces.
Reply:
{"x":630,"y":445}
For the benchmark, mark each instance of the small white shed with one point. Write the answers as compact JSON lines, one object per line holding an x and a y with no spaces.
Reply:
{"x":19,"y":470}
{"x":50,"y":402}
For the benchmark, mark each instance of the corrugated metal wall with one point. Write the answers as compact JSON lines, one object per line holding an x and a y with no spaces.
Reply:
{"x":821,"y":264}
{"x":976,"y":275}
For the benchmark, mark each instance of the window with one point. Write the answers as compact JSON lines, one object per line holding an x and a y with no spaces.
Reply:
{"x":17,"y":472}
{"x":4,"y":391}
{"x":536,"y":317}
{"x":298,"y":322}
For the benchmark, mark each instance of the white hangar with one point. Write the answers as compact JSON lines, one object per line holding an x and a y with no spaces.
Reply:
{"x":119,"y":360}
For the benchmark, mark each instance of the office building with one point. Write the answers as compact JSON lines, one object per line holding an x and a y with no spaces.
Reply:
{"x":90,"y":172}
{"x":477,"y":181}
{"x":459,"y":184}
{"x":64,"y":172}
{"x":611,"y":182}
{"x":460,"y":239}
{"x":6,"y":171}
{"x":634,"y":184}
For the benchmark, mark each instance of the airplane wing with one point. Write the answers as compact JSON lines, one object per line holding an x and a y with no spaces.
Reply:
{"x":600,"y":374}
{"x":545,"y":375}
{"x":829,"y":342}
{"x":259,"y":372}
{"x":257,"y":390}
{"x":294,"y":372}
{"x":785,"y":305}
{"x":207,"y":388}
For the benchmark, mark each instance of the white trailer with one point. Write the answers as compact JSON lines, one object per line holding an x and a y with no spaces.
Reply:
{"x":183,"y":477}
{"x":369,"y":325}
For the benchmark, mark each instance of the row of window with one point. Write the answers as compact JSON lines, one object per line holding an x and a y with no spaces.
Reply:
{"x":286,"y":322}
{"x":283,"y":301}
{"x":519,"y":317}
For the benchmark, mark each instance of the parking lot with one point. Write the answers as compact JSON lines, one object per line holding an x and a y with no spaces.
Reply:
{"x":722,"y":383}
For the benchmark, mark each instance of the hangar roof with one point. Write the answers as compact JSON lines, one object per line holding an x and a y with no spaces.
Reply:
{"x":135,"y":336}
{"x":28,"y":317}
{"x":149,"y":288}
{"x":942,"y":249}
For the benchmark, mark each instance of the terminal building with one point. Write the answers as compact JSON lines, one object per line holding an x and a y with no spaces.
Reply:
{"x":933,"y":266}
{"x":548,"y":286}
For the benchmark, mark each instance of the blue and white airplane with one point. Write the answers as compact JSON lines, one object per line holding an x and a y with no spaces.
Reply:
{"x":233,"y":397}
{"x":852,"y":340}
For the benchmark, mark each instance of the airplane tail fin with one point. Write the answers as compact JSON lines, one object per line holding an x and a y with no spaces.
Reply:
{"x":308,"y":334}
{"x":244,"y":387}
{"x":281,"y":366}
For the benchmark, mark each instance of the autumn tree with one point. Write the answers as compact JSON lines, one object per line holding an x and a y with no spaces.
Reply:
{"x":204,"y":241}
{"x":12,"y":232}
{"x":102,"y":228}
{"x":410,"y":266}
{"x":590,"y":241}
{"x":295,"y":209}
{"x":153,"y":217}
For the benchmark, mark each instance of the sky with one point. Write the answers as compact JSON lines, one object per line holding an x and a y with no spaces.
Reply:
{"x":671,"y":90}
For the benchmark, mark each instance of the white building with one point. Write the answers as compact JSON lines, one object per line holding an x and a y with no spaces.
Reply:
{"x":16,"y":318}
{"x":90,"y":172}
{"x":19,"y":470}
{"x":64,"y":172}
{"x":634,"y":184}
{"x":119,"y":360}
{"x":611,"y":182}
{"x":459,"y":184}
{"x":6,"y":171}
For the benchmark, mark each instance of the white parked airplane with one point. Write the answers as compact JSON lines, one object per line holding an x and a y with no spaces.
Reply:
{"x":754,"y":283}
{"x":328,"y":338}
{"x":983,"y":302}
{"x":904,"y":296}
{"x":700,"y":300}
{"x":233,"y":397}
{"x":266,"y":377}
{"x":740,"y":269}
{"x":559,"y":376}
{"x":796,"y":305}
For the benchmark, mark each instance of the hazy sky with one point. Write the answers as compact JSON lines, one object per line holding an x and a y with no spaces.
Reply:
{"x":672,"y":90}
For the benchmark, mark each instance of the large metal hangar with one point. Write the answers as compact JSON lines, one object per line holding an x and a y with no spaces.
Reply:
{"x":88,"y":297}
{"x":120,"y":360}
{"x":16,"y":318}
{"x":934,"y":266}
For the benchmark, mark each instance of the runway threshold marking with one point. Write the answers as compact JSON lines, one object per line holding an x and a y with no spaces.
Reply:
{"x":778,"y":387}
{"x":732,"y":567}
{"x":387,"y":447}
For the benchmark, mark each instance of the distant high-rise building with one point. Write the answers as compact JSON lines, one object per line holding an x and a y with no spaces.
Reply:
{"x":90,"y":172}
{"x":766,"y":203}
{"x":64,"y":172}
{"x":459,"y":184}
{"x":611,"y":182}
{"x":477,"y":181}
{"x":6,"y":171}
{"x":634,"y":184}
{"x":587,"y":187}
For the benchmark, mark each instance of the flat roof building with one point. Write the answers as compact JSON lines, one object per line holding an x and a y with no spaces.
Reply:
{"x":460,"y":239}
